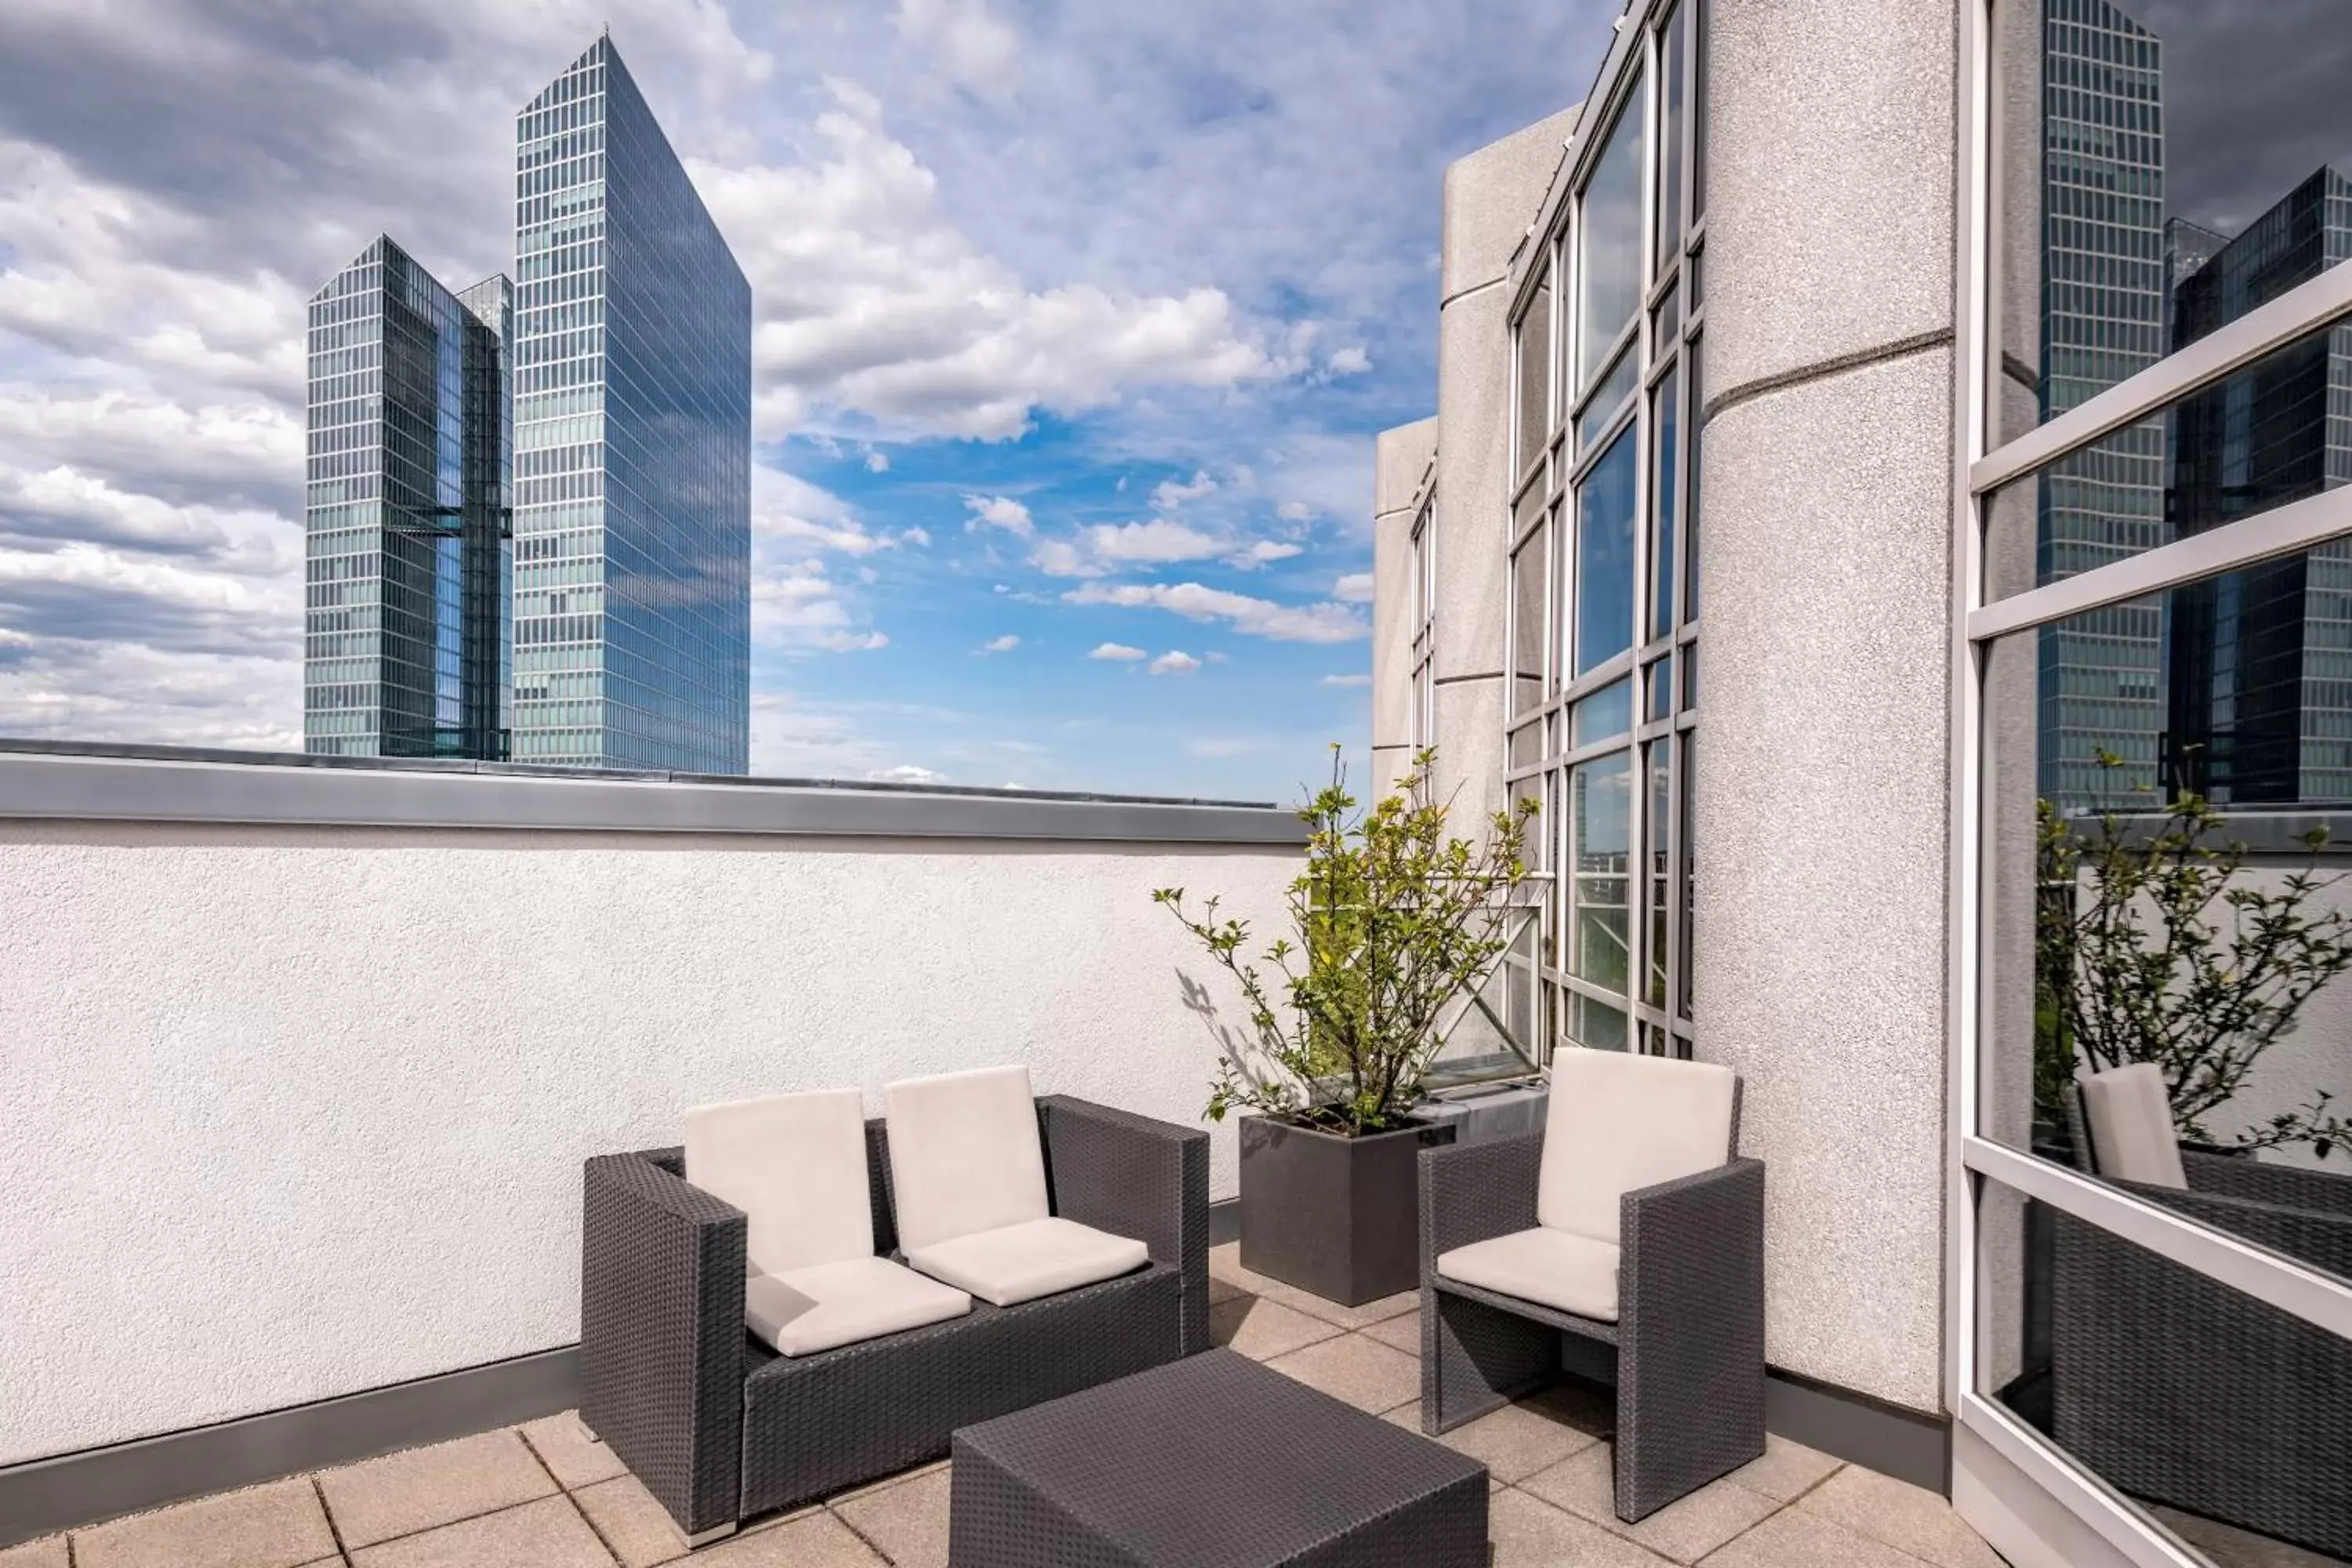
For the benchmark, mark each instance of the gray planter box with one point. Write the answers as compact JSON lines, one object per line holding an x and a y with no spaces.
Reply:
{"x":1338,"y":1217}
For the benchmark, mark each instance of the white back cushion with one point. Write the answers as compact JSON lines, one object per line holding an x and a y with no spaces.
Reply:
{"x":795,"y":1165}
{"x":1619,"y":1122}
{"x":964,"y":1155}
{"x":2130,"y":1119}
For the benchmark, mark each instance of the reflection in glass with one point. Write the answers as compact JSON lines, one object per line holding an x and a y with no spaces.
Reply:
{"x":1610,"y":239}
{"x":1605,"y":715}
{"x":1658,"y":804}
{"x":1535,"y":376}
{"x":1690,"y":505}
{"x":1668,"y":201}
{"x":1686,"y":841}
{"x":1530,"y":572}
{"x":1600,"y":842}
{"x":1614,"y":388}
{"x":1659,"y":684}
{"x":1605,"y":554}
{"x":1595,"y":1025}
{"x":1663,"y":420}
{"x":2220,"y":1416}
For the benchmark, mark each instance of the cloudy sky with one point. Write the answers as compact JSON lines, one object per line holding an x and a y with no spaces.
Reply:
{"x":1074,"y":322}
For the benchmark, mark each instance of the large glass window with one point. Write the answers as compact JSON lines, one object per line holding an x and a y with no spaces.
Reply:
{"x":1604,"y":555}
{"x":1535,"y":376}
{"x":1608,"y":253}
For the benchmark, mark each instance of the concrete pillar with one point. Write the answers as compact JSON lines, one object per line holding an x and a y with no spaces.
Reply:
{"x":1401,"y":460}
{"x":1820,"y":788}
{"x":1492,"y":198}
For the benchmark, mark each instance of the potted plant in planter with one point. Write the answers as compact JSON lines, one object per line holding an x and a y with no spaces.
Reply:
{"x":1391,"y":920}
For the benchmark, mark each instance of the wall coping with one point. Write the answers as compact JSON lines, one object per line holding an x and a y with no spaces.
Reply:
{"x":84,"y":781}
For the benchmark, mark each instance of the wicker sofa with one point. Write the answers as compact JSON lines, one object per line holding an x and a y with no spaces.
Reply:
{"x":1624,"y":1243}
{"x":720,"y":1427}
{"x":2175,"y":1387}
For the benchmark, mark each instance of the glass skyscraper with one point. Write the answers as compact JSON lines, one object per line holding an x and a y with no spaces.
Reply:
{"x":2103,"y":295}
{"x":407,"y":583}
{"x":632,"y":421}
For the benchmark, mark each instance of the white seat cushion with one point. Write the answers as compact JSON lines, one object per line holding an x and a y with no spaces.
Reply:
{"x":828,"y":1304}
{"x":1573,"y":1273}
{"x":1036,"y":1257}
{"x":2130,"y":1119}
{"x":1619,"y":1122}
{"x":964,"y":1155}
{"x":795,"y":1165}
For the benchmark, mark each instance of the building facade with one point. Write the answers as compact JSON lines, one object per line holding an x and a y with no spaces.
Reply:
{"x":632,"y":418}
{"x":1870,"y":446}
{"x":408,"y":576}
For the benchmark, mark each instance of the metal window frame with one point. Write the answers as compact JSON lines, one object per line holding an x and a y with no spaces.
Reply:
{"x":1972,"y":1159}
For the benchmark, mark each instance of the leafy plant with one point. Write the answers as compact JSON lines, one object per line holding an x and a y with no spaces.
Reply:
{"x":1391,"y":919}
{"x":2149,"y":949}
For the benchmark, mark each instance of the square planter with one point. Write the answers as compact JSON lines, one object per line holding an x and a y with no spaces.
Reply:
{"x":1338,"y":1217}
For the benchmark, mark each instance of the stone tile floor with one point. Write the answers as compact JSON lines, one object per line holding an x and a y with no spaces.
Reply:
{"x":547,"y":1495}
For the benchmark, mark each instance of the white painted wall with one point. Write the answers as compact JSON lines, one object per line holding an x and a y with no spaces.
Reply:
{"x":291,"y":1112}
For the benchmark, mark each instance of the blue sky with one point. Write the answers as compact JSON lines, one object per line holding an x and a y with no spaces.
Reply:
{"x":1074,"y":323}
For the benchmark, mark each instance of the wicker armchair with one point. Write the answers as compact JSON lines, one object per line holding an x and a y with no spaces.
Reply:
{"x":1673,"y":1310}
{"x":2179,"y":1390}
{"x":720,"y":1429}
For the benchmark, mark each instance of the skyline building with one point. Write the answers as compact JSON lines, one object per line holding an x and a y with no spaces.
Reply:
{"x":632,"y":418}
{"x":407,"y":571}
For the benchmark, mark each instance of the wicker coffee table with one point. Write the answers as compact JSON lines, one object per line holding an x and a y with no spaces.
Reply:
{"x":1209,"y":1462}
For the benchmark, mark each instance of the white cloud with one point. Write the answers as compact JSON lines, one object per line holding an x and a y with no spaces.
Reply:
{"x":1261,"y":551}
{"x":1118,"y":651}
{"x":972,"y":47}
{"x":785,"y":507}
{"x":1351,"y":361}
{"x":1175,"y":661}
{"x":906,"y":773}
{"x":1004,"y":644}
{"x":1355,"y":588}
{"x":1259,"y":618}
{"x":877,"y":462}
{"x":1294,"y":511}
{"x":999,"y":511}
{"x":1345,"y":680}
{"x":1169,"y":494}
{"x":849,"y":642}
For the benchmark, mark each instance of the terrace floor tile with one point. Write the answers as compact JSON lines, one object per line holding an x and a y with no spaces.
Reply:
{"x":280,"y":1525}
{"x":403,"y":1493}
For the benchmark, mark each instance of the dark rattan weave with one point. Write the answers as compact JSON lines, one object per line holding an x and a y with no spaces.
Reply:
{"x":1687,"y":1347}
{"x":1214,"y":1462}
{"x":2180,"y":1390}
{"x":719,"y":1428}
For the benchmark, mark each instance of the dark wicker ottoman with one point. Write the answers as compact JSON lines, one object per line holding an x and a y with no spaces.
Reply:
{"x":1209,"y":1462}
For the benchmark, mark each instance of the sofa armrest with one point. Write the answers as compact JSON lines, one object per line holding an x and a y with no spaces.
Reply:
{"x":2262,"y":1181}
{"x":662,"y":1334}
{"x":1690,"y":1329}
{"x":1137,"y":1177}
{"x":2311,"y":1236}
{"x":1475,"y":1191}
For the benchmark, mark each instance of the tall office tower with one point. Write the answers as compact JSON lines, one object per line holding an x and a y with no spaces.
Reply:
{"x":632,"y":427}
{"x":2258,"y":673}
{"x":2103,"y":294}
{"x":408,"y":584}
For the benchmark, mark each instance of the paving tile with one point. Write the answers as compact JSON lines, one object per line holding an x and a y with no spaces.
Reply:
{"x":1365,"y":1372}
{"x":908,"y":1523}
{"x":1587,"y":1406}
{"x":400,"y":1494}
{"x":276,"y":1526}
{"x":1787,"y":1471}
{"x":549,"y":1534}
{"x":577,"y":1455}
{"x":1402,"y":1332}
{"x":1529,"y":1532}
{"x":1261,"y":1330}
{"x":1225,"y":1264}
{"x":1684,"y":1529}
{"x":49,"y":1551}
{"x":1513,"y":1442}
{"x":1795,"y":1539}
{"x":1908,"y":1518}
{"x":1222,"y":1289}
{"x":812,"y":1540}
{"x":637,"y":1529}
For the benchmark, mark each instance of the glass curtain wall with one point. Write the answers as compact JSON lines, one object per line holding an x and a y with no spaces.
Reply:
{"x":1604,"y":595}
{"x":2155,"y":1301}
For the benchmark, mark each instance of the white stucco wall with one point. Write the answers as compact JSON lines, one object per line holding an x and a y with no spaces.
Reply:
{"x":291,"y":1112}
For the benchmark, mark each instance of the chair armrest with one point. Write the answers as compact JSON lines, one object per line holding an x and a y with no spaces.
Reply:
{"x":662,"y":1334}
{"x":1476,"y":1192}
{"x":2309,"y":1236}
{"x":1699,"y":1236}
{"x":1137,"y":1177}
{"x":2291,"y":1186}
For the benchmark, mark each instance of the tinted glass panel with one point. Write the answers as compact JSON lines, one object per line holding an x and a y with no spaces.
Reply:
{"x":1663,"y":420}
{"x":1606,"y":399}
{"x":1604,"y":555}
{"x":1668,"y":201}
{"x":1606,"y":713}
{"x":1609,"y":242}
{"x":1657,"y":805}
{"x":2168,"y":165}
{"x":1530,"y":572}
{"x":1535,"y":375}
{"x":1600,"y":841}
